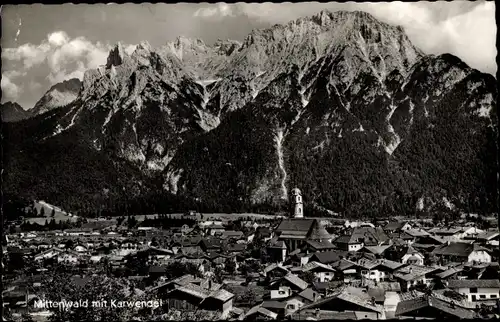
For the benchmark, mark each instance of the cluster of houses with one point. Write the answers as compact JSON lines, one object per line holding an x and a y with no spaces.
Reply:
{"x":304,"y":268}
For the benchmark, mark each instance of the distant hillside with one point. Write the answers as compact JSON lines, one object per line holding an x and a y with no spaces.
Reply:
{"x":13,"y":112}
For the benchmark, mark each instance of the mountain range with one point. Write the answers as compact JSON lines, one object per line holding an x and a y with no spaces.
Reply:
{"x":339,"y":104}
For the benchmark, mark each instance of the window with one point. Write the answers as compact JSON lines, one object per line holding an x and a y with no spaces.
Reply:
{"x":290,"y":307}
{"x":281,"y":292}
{"x":474,"y":297}
{"x":473,"y":290}
{"x":482,"y":296}
{"x":493,"y":296}
{"x":364,"y":272}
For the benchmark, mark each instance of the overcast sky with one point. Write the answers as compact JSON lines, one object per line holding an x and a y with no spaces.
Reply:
{"x":46,"y":44}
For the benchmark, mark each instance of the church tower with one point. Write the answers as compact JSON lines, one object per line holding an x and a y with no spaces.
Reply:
{"x":297,"y":205}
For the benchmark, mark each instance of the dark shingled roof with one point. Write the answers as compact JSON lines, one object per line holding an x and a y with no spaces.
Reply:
{"x":327,"y":257}
{"x":318,"y":231}
{"x":309,"y":294}
{"x":273,"y":305}
{"x":295,"y":225}
{"x":369,"y":235}
{"x":474,"y":283}
{"x":451,"y":309}
{"x":325,"y":244}
{"x":458,"y":249}
{"x":411,"y":305}
{"x":323,"y":315}
{"x":394,"y":225}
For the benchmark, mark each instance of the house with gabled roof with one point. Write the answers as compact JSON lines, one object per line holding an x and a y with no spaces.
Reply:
{"x":397,"y":226}
{"x":378,"y":251}
{"x":451,"y":273}
{"x":476,"y":290}
{"x":462,"y":253}
{"x":275,"y":270}
{"x":211,"y":244}
{"x":347,"y":243}
{"x":259,"y":313}
{"x":322,"y":272}
{"x":276,"y":307}
{"x":327,"y":257}
{"x":298,"y":300}
{"x":433,"y":306}
{"x":291,"y":281}
{"x":191,"y":296}
{"x":345,"y":301}
{"x":412,"y":256}
{"x":347,"y":270}
{"x":413,"y":275}
{"x":488,"y":238}
{"x":379,"y":269}
{"x":362,"y":236}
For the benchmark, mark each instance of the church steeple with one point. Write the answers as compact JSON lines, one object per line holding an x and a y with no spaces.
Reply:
{"x":297,"y":204}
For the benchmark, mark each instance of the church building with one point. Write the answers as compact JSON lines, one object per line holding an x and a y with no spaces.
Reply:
{"x":295,"y":231}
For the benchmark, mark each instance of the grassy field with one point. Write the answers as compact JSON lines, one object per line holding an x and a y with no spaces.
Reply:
{"x":59,"y":214}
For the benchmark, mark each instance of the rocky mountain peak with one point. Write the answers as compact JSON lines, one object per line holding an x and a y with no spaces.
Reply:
{"x":58,"y":95}
{"x":227,"y":47}
{"x":116,"y":56}
{"x":144,"y":45}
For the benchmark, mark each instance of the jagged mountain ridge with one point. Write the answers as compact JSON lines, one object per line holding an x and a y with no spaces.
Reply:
{"x":241,"y":122}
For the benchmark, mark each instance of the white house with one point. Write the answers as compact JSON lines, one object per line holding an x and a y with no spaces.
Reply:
{"x":292,"y":305}
{"x":413,"y":257}
{"x":470,"y":232}
{"x":297,"y":301}
{"x":80,"y":249}
{"x":476,"y":290}
{"x":322,"y":272}
{"x":378,"y":270}
{"x":281,"y":293}
{"x":69,"y":257}
{"x":479,"y":256}
{"x":462,"y":253}
{"x":51,"y":253}
{"x":412,"y":275}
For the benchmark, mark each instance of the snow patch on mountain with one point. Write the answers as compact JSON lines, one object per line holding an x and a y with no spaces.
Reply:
{"x":278,"y":140}
{"x":172,"y":182}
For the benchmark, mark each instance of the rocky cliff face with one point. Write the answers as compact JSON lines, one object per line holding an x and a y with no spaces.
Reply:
{"x":340,"y":104}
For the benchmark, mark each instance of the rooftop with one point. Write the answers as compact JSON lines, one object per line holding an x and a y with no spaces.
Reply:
{"x":473,"y":283}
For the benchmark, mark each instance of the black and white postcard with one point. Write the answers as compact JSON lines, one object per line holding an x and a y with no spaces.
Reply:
{"x":249,"y":161}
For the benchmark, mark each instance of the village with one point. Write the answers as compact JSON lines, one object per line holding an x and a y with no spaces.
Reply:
{"x":264,"y":268}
